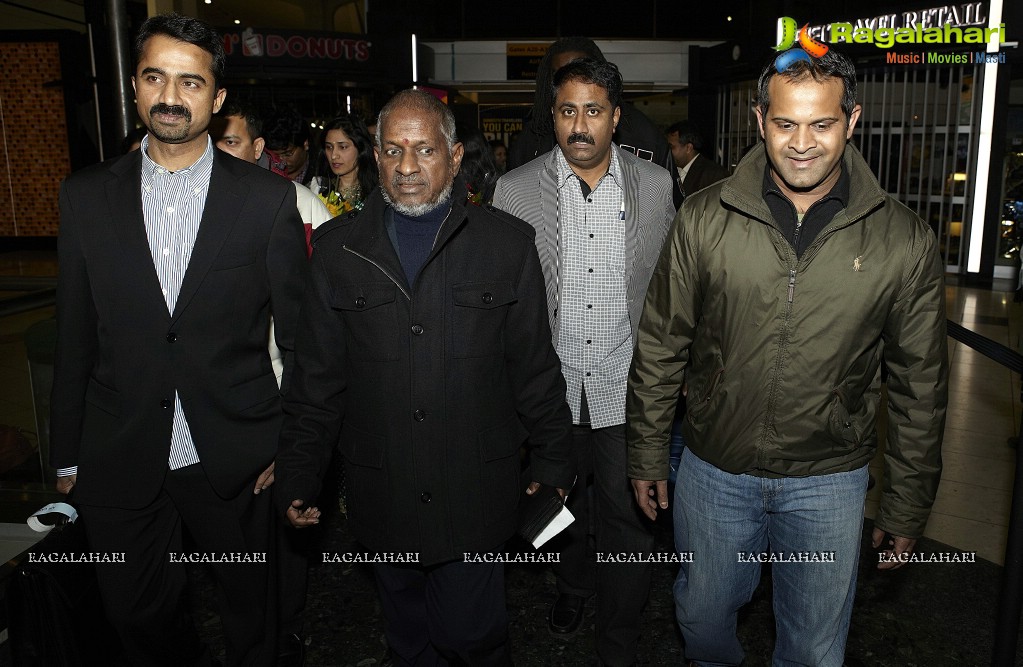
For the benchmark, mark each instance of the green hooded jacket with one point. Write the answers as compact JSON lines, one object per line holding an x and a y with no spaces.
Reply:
{"x":782,"y":355}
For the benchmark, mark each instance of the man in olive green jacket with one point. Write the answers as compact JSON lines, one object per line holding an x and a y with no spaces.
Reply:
{"x":777,"y":293}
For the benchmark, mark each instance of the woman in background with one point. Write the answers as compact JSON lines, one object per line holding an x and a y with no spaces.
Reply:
{"x":346,"y":170}
{"x":478,"y":171}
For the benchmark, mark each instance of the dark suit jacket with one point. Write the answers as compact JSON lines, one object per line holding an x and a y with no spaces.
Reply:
{"x":121,"y":356}
{"x":702,"y":173}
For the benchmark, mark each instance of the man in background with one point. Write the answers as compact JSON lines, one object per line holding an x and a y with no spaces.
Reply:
{"x":694,"y":171}
{"x":287,"y":135}
{"x":238,"y":130}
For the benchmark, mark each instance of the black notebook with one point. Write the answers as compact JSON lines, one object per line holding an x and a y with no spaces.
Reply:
{"x":542,"y":515}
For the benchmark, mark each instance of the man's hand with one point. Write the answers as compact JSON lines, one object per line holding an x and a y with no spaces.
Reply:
{"x":534,"y":486}
{"x":302,"y":518}
{"x":265,"y":479}
{"x":650,"y":495}
{"x":65,"y":484}
{"x":896,"y":547}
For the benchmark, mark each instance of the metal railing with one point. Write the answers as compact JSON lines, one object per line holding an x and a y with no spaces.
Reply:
{"x":1010,"y":600}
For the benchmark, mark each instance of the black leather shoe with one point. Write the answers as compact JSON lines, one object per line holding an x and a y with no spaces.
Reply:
{"x":290,"y":651}
{"x":566,"y":614}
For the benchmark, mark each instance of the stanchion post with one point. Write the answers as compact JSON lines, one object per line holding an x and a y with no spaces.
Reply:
{"x":1010,"y":599}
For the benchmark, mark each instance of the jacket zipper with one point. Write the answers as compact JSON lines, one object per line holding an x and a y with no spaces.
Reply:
{"x":382,"y":270}
{"x":788,"y":315}
{"x":783,"y":344}
{"x":437,"y":235}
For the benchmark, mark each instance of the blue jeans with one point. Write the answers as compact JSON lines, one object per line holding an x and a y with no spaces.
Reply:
{"x":724,"y":519}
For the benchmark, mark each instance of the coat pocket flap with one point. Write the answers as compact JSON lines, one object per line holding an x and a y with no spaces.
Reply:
{"x":362,"y":448}
{"x":253,"y":392}
{"x":364,"y":297}
{"x":483,"y":295}
{"x":103,"y":397}
{"x":502,"y":441}
{"x":233,"y":261}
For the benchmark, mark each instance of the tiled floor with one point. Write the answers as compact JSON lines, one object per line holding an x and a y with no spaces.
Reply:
{"x":972,"y":508}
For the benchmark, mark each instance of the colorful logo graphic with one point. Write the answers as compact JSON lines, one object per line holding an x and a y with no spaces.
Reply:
{"x":788,"y":37}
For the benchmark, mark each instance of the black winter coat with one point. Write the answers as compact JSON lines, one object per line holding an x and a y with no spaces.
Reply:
{"x":432,"y":388}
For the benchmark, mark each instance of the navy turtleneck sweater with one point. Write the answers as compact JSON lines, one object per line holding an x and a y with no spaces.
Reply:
{"x":415,"y":237}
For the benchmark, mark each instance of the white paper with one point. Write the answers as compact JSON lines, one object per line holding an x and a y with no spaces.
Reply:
{"x":557,"y":524}
{"x":60,"y":508}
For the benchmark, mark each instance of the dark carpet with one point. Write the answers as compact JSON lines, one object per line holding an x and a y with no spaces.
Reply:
{"x":922,"y":614}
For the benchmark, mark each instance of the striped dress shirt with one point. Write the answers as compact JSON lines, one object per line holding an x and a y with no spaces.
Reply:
{"x":172,"y":205}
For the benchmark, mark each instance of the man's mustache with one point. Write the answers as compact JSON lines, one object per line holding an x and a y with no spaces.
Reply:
{"x":168,"y":110}
{"x":405,"y":180}
{"x":580,"y":136}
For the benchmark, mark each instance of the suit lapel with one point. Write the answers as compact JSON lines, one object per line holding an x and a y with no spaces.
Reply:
{"x":547,"y":237}
{"x":630,"y":188}
{"x":124,"y":201}
{"x":693,"y":176}
{"x":224,"y":201}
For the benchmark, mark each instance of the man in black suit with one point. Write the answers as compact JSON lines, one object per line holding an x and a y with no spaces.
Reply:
{"x":693,"y":171}
{"x":165,"y":407}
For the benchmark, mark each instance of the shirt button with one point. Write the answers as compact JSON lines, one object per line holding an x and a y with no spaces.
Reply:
{"x":589,"y":200}
{"x":170,"y":209}
{"x":171,"y":337}
{"x":587,"y":374}
{"x":417,"y":329}
{"x":166,"y":251}
{"x":588,"y":341}
{"x":488,"y":297}
{"x":425,"y":497}
{"x":589,"y":270}
{"x":360,"y":302}
{"x":588,"y":306}
{"x":165,"y":403}
{"x":419,"y":415}
{"x":591,"y":236}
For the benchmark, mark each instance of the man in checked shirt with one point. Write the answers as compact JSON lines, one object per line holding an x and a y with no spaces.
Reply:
{"x":600,"y":220}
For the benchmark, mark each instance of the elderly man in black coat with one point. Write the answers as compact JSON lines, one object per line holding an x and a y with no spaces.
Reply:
{"x":424,"y":345}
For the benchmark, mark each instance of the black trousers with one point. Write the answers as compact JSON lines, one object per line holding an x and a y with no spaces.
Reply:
{"x":145,"y":595}
{"x":449,"y":614}
{"x":602,"y":500}
{"x":292,"y":576}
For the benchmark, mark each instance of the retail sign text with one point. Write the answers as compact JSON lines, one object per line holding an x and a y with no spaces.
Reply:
{"x":956,"y":16}
{"x":298,"y":46}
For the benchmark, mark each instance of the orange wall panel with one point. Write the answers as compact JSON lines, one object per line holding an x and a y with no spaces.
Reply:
{"x":33,"y":138}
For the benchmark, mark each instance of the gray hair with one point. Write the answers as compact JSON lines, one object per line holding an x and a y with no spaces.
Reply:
{"x":417,"y":100}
